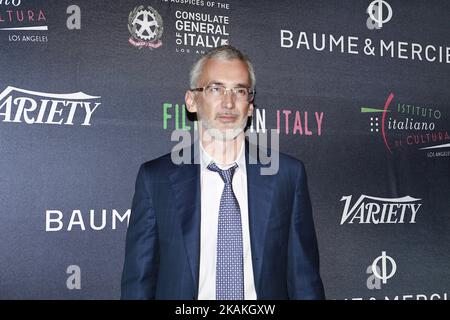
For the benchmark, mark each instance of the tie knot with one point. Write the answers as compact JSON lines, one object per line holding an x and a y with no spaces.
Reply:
{"x":226,"y":175}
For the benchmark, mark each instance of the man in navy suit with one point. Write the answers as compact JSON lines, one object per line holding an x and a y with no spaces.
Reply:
{"x":216,"y":228}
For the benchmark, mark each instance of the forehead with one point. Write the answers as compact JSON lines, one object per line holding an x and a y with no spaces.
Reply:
{"x":228,"y":72}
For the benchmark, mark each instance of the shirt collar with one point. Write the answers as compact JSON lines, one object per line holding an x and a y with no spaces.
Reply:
{"x":206,"y":159}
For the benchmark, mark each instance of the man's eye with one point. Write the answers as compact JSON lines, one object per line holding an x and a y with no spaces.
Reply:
{"x":214,"y":89}
{"x":240,"y":91}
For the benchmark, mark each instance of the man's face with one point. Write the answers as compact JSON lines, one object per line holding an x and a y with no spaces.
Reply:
{"x":224,"y":117}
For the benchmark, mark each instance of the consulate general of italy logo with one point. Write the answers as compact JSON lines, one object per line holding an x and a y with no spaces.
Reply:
{"x":146,"y":27}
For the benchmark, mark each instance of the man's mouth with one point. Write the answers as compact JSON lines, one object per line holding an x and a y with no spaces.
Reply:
{"x":227,"y":117}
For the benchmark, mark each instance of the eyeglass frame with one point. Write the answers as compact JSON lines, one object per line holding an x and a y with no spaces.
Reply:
{"x":250,"y":91}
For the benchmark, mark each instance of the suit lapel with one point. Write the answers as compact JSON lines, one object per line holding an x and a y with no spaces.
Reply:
{"x":185,"y":179}
{"x":260,"y":193}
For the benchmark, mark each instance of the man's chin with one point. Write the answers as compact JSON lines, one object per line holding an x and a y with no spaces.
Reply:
{"x":225,"y":134}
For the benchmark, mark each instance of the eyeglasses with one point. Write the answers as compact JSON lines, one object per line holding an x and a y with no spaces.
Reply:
{"x":215,"y":91}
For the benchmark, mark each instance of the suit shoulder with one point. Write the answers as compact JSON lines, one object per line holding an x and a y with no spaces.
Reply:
{"x":289,"y":162}
{"x":161,"y":160}
{"x":158,"y":165}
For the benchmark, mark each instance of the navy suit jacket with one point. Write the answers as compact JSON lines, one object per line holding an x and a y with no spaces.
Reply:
{"x":162,"y":250}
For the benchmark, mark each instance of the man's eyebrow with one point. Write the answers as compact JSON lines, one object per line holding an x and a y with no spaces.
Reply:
{"x":239,"y":85}
{"x":242,"y":85}
{"x":217,"y":83}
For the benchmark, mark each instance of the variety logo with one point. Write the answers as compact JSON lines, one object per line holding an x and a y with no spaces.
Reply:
{"x":374,"y":210}
{"x":407,"y":125}
{"x":146,"y":27}
{"x":376,"y":17}
{"x":32,"y":107}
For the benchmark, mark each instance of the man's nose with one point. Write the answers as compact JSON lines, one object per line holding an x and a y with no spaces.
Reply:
{"x":228,"y":99}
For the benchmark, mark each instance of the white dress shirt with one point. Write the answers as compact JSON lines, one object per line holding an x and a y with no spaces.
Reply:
{"x":211,"y":191}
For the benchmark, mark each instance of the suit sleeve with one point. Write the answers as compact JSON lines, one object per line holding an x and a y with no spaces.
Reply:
{"x":140,"y":268}
{"x":304,"y":281}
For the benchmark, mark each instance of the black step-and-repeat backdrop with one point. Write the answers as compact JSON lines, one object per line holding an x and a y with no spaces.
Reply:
{"x":358,"y":89}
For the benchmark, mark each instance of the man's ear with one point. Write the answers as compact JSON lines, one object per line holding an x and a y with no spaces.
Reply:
{"x":191,"y":104}
{"x":250,"y":109}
